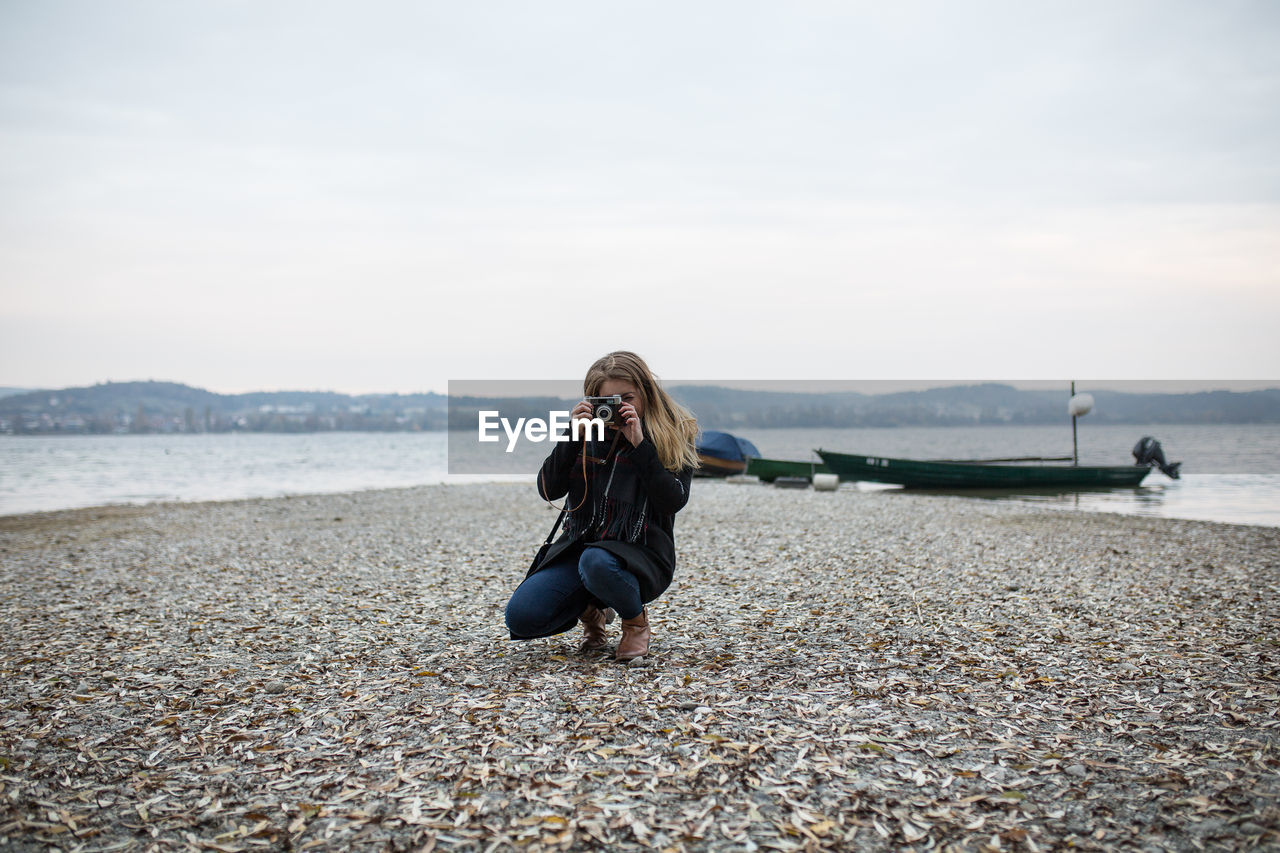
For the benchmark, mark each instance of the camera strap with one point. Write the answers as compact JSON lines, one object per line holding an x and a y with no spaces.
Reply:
{"x":585,"y":485}
{"x":600,"y":461}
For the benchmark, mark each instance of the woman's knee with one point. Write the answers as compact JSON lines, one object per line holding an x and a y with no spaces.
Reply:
{"x":545,"y":601}
{"x":526,"y":617}
{"x":597,"y":566}
{"x":520,"y":619}
{"x":532,"y":613}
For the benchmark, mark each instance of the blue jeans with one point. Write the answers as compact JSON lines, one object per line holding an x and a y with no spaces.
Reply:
{"x":551,"y":600}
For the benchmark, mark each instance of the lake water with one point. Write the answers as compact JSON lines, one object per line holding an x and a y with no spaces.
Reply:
{"x":1230,"y":473}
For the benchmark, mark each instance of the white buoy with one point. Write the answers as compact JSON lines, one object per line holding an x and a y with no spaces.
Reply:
{"x":825,"y":482}
{"x":1080,"y":404}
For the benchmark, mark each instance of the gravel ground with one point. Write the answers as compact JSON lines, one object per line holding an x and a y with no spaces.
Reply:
{"x":848,"y":670}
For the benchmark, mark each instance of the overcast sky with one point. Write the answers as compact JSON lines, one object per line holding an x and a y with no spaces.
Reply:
{"x":384,"y":196}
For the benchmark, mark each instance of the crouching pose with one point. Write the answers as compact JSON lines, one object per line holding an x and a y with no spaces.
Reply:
{"x":617,"y":551}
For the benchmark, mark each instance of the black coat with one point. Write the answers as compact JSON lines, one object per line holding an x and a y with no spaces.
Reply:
{"x":641,"y":535}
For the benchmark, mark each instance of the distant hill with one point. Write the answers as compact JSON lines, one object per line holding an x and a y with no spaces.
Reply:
{"x":122,"y":407}
{"x":946,"y":406}
{"x":9,"y":391}
{"x":985,"y":403}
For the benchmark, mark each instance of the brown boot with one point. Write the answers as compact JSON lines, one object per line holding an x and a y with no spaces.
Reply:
{"x":635,"y":637}
{"x":593,"y":621}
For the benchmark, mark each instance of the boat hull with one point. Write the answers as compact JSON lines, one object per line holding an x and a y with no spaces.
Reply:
{"x":928,"y":474}
{"x":721,"y":454}
{"x":769,"y":470}
{"x":714,"y":466}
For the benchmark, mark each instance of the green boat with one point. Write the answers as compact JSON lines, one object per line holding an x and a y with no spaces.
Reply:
{"x":769,"y":470}
{"x":1020,"y":473}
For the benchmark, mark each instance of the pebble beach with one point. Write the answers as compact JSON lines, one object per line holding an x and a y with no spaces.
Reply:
{"x":830,"y":671}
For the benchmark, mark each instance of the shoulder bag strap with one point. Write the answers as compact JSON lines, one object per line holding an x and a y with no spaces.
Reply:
{"x":555,"y":527}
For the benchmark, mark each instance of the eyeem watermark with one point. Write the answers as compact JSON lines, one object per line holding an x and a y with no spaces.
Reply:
{"x":558,"y":427}
{"x":508,"y":427}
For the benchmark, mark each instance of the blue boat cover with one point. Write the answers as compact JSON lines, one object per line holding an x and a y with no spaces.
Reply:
{"x":722,"y":445}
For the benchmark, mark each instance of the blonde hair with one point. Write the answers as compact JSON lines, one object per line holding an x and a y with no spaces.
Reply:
{"x":672,"y":428}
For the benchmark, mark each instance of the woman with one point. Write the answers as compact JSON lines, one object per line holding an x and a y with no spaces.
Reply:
{"x":617,"y":551}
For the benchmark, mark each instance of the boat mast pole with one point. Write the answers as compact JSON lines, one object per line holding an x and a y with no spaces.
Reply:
{"x":1075,"y":452}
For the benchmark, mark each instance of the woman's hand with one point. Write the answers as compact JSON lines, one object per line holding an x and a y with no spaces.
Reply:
{"x":582,"y":412}
{"x":631,"y":424}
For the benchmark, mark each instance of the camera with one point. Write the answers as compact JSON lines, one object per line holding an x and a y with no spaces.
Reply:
{"x":606,"y":409}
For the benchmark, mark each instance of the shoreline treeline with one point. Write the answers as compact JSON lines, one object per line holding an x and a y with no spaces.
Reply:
{"x":149,"y":407}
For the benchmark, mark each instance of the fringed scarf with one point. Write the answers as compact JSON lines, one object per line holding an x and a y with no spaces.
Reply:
{"x":616,"y":502}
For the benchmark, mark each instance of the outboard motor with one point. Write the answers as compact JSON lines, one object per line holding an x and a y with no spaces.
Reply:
{"x":1148,"y":452}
